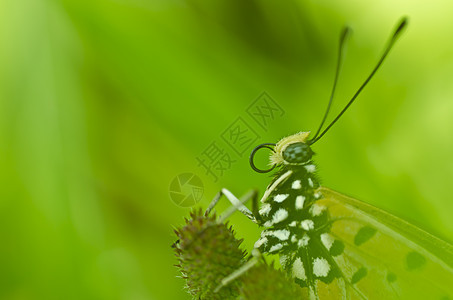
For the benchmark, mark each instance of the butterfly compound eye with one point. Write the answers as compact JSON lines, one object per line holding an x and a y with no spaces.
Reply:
{"x":297,"y":153}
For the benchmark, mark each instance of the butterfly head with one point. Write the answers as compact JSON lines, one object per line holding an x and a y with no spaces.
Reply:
{"x":292,"y":150}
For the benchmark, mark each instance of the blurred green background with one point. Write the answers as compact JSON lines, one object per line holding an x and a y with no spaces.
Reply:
{"x":103,"y":103}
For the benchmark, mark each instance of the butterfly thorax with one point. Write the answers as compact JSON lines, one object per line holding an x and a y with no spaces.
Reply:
{"x":296,"y":227}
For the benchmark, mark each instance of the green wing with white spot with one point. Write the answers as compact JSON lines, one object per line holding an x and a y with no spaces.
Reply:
{"x":382,"y":256}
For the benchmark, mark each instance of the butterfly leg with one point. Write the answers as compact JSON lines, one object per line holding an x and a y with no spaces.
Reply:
{"x":239,"y":272}
{"x":255,"y":209}
{"x":237,"y":204}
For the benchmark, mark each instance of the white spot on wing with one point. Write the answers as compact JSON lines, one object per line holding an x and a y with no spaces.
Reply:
{"x":327,"y":240}
{"x":303,"y":241}
{"x":300,"y":202}
{"x":317,"y":209}
{"x":310,"y":182}
{"x":279,"y":215}
{"x":276,"y":247}
{"x":265,"y":209}
{"x":268,"y":224}
{"x":280,"y":197}
{"x":293,"y":224}
{"x":310,"y":168}
{"x":318,"y":195}
{"x":296,"y":185}
{"x":294,"y":238}
{"x":283,"y":259}
{"x":307,"y":225}
{"x":260,"y":242}
{"x":298,"y":269}
{"x":320,"y":267}
{"x":282,"y":234}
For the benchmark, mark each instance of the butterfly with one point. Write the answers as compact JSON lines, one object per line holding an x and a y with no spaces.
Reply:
{"x":334,"y":246}
{"x":338,"y":247}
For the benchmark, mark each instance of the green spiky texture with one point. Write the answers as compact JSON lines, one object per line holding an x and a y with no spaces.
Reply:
{"x":208,"y":252}
{"x":265,"y":282}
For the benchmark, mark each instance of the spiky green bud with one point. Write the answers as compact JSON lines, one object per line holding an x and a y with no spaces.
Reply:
{"x":208,"y":252}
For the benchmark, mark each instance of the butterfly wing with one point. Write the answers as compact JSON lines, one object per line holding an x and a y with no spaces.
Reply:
{"x":381,"y":256}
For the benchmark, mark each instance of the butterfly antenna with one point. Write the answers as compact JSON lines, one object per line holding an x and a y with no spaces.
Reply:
{"x":343,"y":36}
{"x":393,"y":39}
